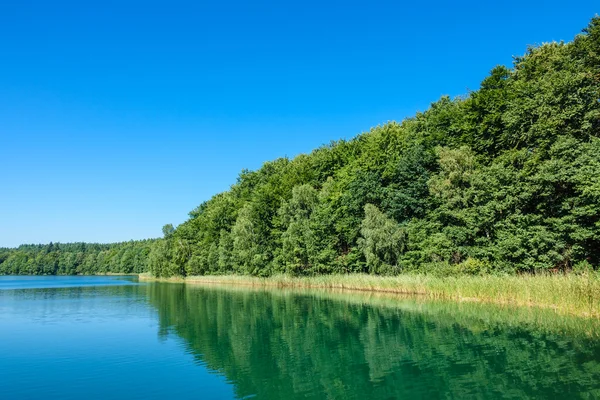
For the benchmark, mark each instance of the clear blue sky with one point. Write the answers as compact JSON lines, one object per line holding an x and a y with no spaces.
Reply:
{"x":117,"y":117}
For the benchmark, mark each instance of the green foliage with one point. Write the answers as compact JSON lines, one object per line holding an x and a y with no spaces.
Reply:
{"x":247,"y":253}
{"x":76,"y":258}
{"x":382,"y":242}
{"x":168,"y":230}
{"x":298,"y":239}
{"x":502,"y":180}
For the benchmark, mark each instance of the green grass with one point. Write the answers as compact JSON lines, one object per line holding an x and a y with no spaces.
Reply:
{"x":566,"y":294}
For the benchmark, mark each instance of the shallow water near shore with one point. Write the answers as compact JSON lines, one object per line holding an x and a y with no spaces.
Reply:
{"x":112,"y":337}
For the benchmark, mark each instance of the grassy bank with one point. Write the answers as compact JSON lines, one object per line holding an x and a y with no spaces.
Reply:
{"x":477,"y":316}
{"x":566,"y":294}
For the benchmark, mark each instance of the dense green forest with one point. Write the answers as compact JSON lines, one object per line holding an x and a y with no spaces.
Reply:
{"x":503,"y":179}
{"x":76,"y":258}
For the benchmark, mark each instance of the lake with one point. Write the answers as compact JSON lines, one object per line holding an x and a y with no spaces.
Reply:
{"x":112,"y":337}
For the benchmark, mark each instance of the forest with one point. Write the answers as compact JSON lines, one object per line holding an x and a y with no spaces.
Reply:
{"x":76,"y":258}
{"x":504,"y":179}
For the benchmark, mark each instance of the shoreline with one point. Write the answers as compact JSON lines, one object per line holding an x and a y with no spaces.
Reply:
{"x":564,"y":294}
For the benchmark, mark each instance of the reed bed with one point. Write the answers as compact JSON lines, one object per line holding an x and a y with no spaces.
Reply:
{"x":577,"y":294}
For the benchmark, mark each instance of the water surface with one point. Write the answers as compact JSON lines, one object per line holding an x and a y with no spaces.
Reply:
{"x":110,"y":337}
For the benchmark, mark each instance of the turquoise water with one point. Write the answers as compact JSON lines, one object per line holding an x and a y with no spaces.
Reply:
{"x":111,"y":337}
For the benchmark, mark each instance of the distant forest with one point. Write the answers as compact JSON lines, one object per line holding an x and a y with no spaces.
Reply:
{"x":76,"y":258}
{"x":504,"y":179}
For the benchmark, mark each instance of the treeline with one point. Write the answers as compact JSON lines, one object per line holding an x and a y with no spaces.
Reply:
{"x":503,"y":179}
{"x":76,"y":258}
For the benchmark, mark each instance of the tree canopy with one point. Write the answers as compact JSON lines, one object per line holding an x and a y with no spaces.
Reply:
{"x":503,"y":179}
{"x":76,"y":258}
